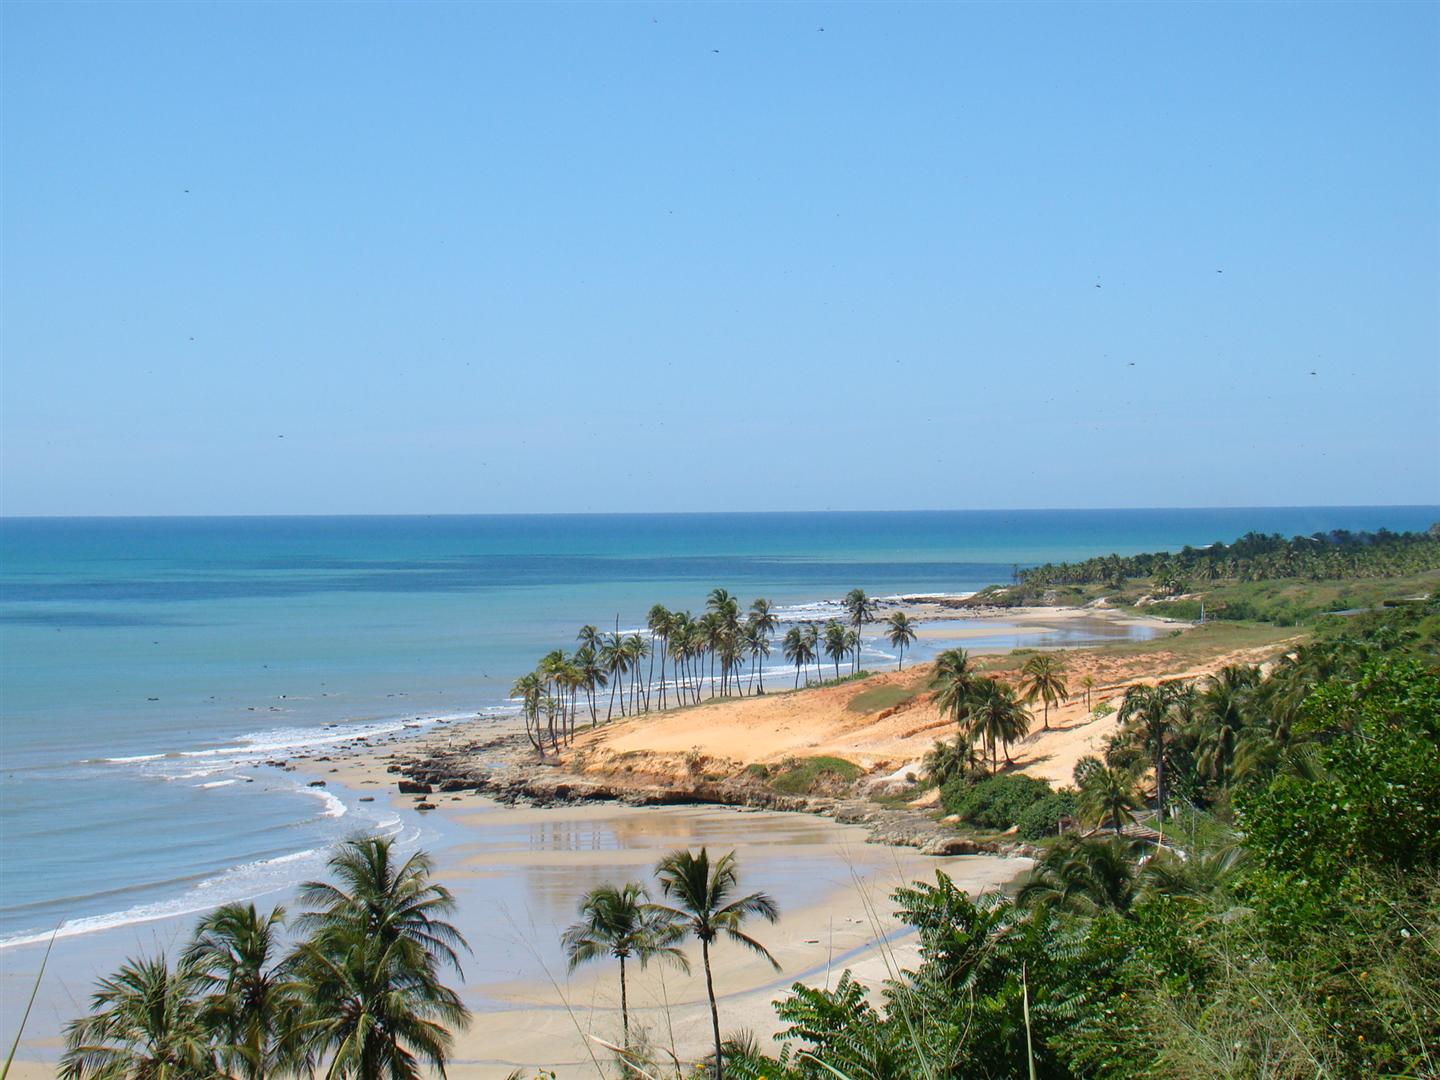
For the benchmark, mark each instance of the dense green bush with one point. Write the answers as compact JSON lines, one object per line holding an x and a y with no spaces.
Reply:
{"x":1042,"y":818}
{"x":997,"y":802}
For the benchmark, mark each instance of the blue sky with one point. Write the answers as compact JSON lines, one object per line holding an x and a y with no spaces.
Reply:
{"x":487,"y":258}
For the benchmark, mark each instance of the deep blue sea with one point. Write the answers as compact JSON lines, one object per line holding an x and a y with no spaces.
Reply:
{"x":148,"y":665}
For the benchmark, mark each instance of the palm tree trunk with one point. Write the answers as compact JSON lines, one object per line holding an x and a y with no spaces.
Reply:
{"x":714,"y":1010}
{"x":609,"y":711}
{"x":650,"y":679}
{"x":624,"y":1010}
{"x":797,"y":676}
{"x":761,"y":665}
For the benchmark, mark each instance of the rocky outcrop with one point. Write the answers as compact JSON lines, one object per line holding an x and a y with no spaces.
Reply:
{"x":508,"y":773}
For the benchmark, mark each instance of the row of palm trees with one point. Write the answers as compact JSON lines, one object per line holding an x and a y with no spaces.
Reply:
{"x":357,"y":994}
{"x":553,"y":696}
{"x":622,"y":923}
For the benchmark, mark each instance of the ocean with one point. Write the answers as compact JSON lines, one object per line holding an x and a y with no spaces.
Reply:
{"x":149,"y":667}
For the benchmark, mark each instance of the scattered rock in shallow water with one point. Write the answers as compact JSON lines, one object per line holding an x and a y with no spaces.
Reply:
{"x":367,"y":798}
{"x":425,"y":806}
{"x":412,"y":787}
{"x":317,"y":783}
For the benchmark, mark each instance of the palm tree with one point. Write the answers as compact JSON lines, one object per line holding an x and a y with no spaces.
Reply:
{"x":636,"y":650}
{"x":994,"y":715}
{"x":613,"y":659}
{"x":1043,"y":679}
{"x":811,"y":636}
{"x":1083,"y":876}
{"x":954,"y":683}
{"x":757,"y":642}
{"x":592,"y":677}
{"x":658,"y":621}
{"x":1087,"y":683}
{"x":530,"y":689}
{"x":1147,"y":713}
{"x":706,"y":907}
{"x":764,"y":619}
{"x":373,"y":1002}
{"x":901,"y":632}
{"x":621,"y":922}
{"x":1223,"y":716}
{"x":862,"y":610}
{"x":235,"y":952}
{"x":835,"y":644}
{"x":852,"y":646}
{"x":382,"y":899}
{"x":795,"y":651}
{"x":145,"y":1021}
{"x":1107,"y":794}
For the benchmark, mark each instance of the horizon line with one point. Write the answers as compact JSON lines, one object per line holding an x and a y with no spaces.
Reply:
{"x":706,"y":513}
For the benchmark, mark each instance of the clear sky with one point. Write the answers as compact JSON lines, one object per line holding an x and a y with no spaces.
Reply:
{"x":321,"y":258}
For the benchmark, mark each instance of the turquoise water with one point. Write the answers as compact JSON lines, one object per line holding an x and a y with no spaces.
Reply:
{"x":150,"y":665}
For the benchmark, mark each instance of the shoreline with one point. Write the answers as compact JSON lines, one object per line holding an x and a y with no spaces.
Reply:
{"x":497,"y":779}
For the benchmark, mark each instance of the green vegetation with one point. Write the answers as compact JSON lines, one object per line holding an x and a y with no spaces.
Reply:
{"x":1289,"y":927}
{"x":882,"y":697}
{"x":358,"y":996}
{"x":1334,"y":556}
{"x":1258,"y":578}
{"x":804,"y":776}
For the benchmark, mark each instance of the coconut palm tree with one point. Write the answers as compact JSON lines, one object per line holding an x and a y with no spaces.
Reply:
{"x":762,"y":615}
{"x":901,"y":632}
{"x":835,"y":644}
{"x":757,"y":643}
{"x":530,"y":689}
{"x":1148,"y":714}
{"x":613,"y":660}
{"x":1108,"y":794}
{"x":1043,"y":679}
{"x":1087,"y":684}
{"x":955,"y":683}
{"x":373,"y":1003}
{"x":862,"y":610}
{"x":811,"y":633}
{"x":705,"y":906}
{"x":622,"y":923}
{"x":1083,"y":876}
{"x":658,"y":621}
{"x":381,"y":897}
{"x":1223,"y":714}
{"x":852,"y":646}
{"x":795,"y":651}
{"x":145,"y":1021}
{"x":996,"y":716}
{"x":235,"y":952}
{"x":592,"y":677}
{"x":636,"y":650}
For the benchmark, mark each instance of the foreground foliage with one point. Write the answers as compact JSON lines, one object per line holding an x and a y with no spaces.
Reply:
{"x":1289,"y":929}
{"x":359,"y":996}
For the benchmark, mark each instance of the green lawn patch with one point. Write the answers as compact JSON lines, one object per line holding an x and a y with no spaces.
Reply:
{"x":804,"y":776}
{"x":882,"y":697}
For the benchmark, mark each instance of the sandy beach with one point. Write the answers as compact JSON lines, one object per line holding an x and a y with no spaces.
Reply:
{"x":519,"y":870}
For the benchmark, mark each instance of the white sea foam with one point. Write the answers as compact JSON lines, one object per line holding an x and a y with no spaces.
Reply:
{"x":219,"y":783}
{"x":239,"y":883}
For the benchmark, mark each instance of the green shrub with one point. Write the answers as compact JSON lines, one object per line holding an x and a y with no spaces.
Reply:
{"x":1042,"y":818}
{"x":995,"y":802}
